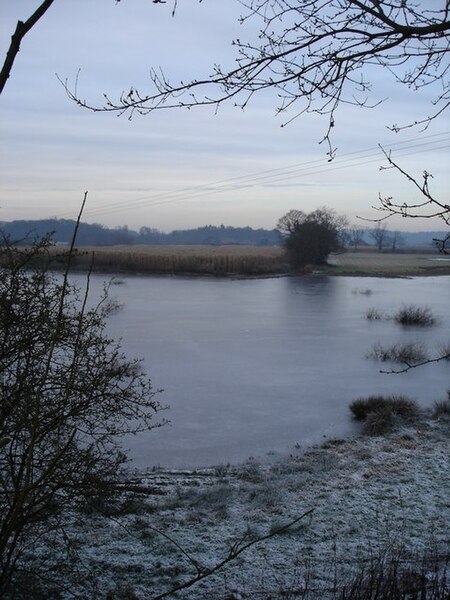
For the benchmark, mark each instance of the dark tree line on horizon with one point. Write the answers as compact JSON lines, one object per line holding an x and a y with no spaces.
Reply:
{"x":24,"y":232}
{"x":93,"y":234}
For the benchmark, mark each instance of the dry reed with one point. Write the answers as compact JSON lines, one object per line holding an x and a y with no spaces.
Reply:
{"x":210,"y":260}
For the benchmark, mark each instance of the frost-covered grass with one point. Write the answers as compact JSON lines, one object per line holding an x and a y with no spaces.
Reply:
{"x":373,"y":497}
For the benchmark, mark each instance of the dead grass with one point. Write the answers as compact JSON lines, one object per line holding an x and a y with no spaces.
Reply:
{"x":210,"y":260}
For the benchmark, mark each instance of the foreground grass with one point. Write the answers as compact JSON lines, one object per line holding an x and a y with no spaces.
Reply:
{"x":379,"y":502}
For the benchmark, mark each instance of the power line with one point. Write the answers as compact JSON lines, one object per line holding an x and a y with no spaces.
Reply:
{"x":352,"y":159}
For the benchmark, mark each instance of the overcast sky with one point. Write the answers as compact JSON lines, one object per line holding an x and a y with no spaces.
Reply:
{"x":182,"y":169}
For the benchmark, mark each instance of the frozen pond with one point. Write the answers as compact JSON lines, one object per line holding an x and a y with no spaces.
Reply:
{"x":254,"y":366}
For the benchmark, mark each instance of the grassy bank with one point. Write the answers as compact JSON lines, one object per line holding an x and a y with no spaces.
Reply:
{"x":251,"y":261}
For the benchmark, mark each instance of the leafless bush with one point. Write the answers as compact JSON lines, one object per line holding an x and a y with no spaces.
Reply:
{"x":415,"y":315}
{"x":408,"y":353}
{"x":67,"y":396}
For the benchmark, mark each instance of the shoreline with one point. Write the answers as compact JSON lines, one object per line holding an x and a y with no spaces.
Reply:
{"x":434,"y":272}
{"x":251,"y":263}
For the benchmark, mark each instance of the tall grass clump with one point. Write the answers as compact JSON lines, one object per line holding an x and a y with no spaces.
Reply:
{"x":442,"y":407}
{"x":398,"y":575}
{"x":415,"y":315}
{"x":407,"y":353}
{"x":380,"y":414}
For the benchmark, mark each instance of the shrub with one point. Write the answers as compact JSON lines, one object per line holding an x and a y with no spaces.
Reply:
{"x":400,"y":405}
{"x":415,"y":315}
{"x":410,"y":352}
{"x":379,"y":413}
{"x":68,"y":394}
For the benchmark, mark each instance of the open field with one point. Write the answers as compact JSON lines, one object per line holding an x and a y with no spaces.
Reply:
{"x":390,"y":265}
{"x":252,"y":261}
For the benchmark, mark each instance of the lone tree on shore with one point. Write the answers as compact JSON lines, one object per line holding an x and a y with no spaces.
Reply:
{"x":310,"y":238}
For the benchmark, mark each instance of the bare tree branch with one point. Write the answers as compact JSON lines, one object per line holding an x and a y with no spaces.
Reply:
{"x":22,"y":28}
{"x":442,"y":245}
{"x":236,"y":549}
{"x":428,"y":208}
{"x":316,"y":54}
{"x":410,"y":366}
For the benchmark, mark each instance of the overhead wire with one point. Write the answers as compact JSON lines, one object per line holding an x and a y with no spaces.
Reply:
{"x":353,"y":159}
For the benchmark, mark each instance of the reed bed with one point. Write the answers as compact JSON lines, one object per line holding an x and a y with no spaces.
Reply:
{"x":201,"y":260}
{"x":245,"y":261}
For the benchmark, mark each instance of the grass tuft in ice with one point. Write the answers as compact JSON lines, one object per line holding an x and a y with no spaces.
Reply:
{"x":407,"y":353}
{"x":381,"y":413}
{"x":373,"y":314}
{"x":415,"y":315}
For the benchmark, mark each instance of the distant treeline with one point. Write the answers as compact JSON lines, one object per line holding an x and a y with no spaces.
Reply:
{"x":93,"y":234}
